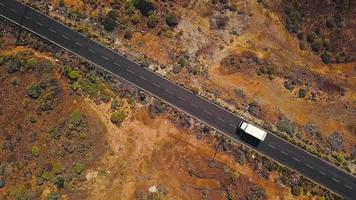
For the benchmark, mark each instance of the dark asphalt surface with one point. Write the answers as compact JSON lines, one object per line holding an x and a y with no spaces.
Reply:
{"x":273,"y":147}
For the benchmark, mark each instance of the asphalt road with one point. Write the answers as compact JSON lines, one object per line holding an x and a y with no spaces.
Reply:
{"x":273,"y":147}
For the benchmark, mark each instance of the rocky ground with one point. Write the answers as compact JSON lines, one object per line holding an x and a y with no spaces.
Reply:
{"x":71,"y":131}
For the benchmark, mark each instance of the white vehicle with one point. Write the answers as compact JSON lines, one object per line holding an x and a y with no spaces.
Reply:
{"x":253,"y":130}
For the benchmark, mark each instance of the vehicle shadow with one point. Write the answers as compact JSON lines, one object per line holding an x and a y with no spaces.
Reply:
{"x":249,"y":139}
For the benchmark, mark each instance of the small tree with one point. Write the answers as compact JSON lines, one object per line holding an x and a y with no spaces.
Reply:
{"x":172,"y":19}
{"x":145,"y":7}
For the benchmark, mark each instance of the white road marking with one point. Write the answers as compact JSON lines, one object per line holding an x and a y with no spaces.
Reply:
{"x":117,"y":64}
{"x":194,"y":105}
{"x":219,"y":118}
{"x":38,"y":23}
{"x":52,"y":30}
{"x":105,"y":58}
{"x":65,"y":37}
{"x":156,"y":85}
{"x":13,"y":10}
{"x":27,"y":17}
{"x":334,"y":179}
{"x":92,"y":51}
{"x":170,"y":92}
{"x":285,"y":153}
{"x":130,"y":71}
{"x":322,"y":173}
{"x":77,"y":43}
{"x":309,"y":166}
{"x":272,"y":146}
{"x":348,"y":187}
{"x":143,"y":78}
{"x":207,"y":112}
{"x":296,"y":159}
{"x":181,"y":98}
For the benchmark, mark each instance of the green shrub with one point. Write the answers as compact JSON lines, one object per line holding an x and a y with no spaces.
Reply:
{"x":74,"y":86}
{"x":35,"y":151}
{"x":340,"y":158}
{"x":117,"y":117}
{"x":152,"y":20}
{"x":73,"y":75}
{"x":31,"y":63}
{"x":78,"y":167}
{"x":57,"y":167}
{"x":46,"y":175}
{"x":34,"y":91}
{"x":110,"y":20}
{"x":172,"y":19}
{"x":76,"y":118}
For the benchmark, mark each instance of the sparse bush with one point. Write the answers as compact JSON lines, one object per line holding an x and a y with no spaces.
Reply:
{"x":78,"y":167}
{"x":31,"y":63}
{"x":52,"y":196}
{"x":128,"y":35}
{"x":172,"y":19}
{"x":302,"y":93}
{"x":115,"y":104}
{"x":105,"y":96}
{"x":59,"y":183}
{"x":35,"y":151}
{"x":285,"y":125}
{"x":177,"y":69}
{"x":311,"y":37}
{"x":110,"y":20}
{"x":135,"y":19}
{"x":76,"y":118}
{"x":340,"y":158}
{"x":152,"y":20}
{"x":57,"y":168}
{"x":169,"y":34}
{"x":183,"y":62}
{"x":296,"y":190}
{"x":34,"y":91}
{"x":2,"y":183}
{"x":326,"y":57}
{"x":46,"y":175}
{"x":117,"y":117}
{"x":195,"y":90}
{"x":317,"y":44}
{"x":302,"y":45}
